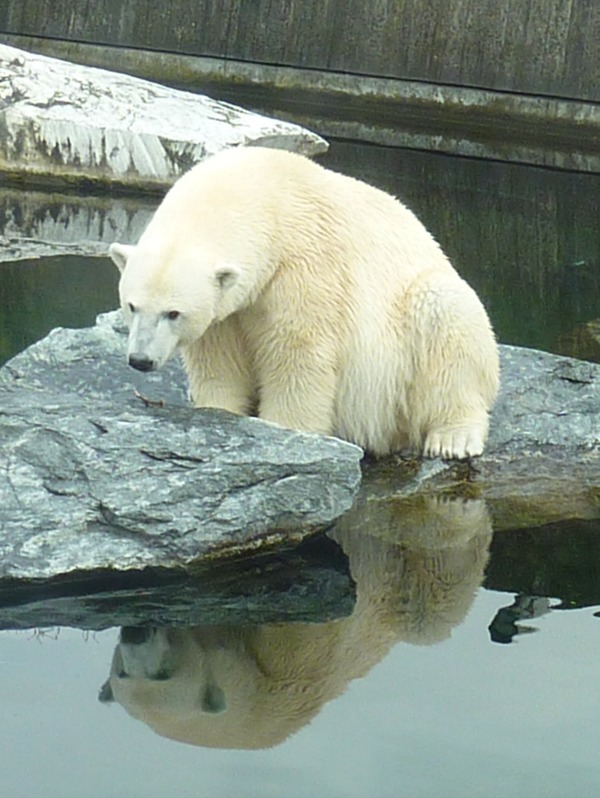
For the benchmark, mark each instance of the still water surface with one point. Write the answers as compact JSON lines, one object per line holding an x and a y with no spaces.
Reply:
{"x":463,"y":717}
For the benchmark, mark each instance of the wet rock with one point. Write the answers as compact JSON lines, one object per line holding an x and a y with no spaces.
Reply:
{"x":95,"y":478}
{"x":542,"y":461}
{"x":60,"y":120}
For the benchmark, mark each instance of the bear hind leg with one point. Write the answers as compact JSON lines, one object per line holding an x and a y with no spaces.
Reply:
{"x":456,"y":379}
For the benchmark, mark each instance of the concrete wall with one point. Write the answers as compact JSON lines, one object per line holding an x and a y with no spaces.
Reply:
{"x":545,"y":47}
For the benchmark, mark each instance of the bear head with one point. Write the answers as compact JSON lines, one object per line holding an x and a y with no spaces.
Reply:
{"x":170,"y":298}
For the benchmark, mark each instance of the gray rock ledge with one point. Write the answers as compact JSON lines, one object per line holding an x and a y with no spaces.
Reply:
{"x":542,"y":461}
{"x":65,"y":121}
{"x":92,"y":478}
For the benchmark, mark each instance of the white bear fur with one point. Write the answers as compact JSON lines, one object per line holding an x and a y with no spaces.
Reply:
{"x":314,"y":300}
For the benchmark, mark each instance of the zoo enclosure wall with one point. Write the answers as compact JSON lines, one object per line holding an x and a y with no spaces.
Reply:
{"x":543,"y":47}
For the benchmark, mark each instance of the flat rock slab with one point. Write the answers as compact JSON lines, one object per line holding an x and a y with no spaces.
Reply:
{"x":60,"y":120}
{"x":542,"y":461}
{"x":94,"y":478}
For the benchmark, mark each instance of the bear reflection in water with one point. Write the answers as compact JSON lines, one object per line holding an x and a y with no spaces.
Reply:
{"x":417,"y":567}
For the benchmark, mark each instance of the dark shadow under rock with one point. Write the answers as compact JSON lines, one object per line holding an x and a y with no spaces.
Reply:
{"x":309,"y":583}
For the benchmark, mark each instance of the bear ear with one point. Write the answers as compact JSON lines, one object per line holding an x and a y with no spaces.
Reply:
{"x":105,"y":696}
{"x":227,"y":276}
{"x":120,"y":254}
{"x":213,"y":700}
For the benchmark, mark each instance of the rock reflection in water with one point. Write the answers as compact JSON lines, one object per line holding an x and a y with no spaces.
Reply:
{"x":417,"y":566}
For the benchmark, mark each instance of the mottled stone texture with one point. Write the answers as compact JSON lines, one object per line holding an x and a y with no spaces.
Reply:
{"x":92,"y":477}
{"x":546,"y":400}
{"x":61,"y":120}
{"x":543,"y":459}
{"x":541,"y":464}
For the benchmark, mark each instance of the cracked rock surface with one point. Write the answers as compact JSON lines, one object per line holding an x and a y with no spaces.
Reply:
{"x":541,"y":464}
{"x":92,"y":477}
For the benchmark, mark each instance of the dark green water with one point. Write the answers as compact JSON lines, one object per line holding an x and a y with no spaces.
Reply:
{"x":464,"y":717}
{"x":39,"y":295}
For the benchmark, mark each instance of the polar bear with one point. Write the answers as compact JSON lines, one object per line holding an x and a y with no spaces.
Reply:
{"x":311,"y":299}
{"x":236,"y":686}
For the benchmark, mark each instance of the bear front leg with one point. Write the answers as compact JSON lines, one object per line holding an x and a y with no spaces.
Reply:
{"x":218,"y":370}
{"x":298,"y":395}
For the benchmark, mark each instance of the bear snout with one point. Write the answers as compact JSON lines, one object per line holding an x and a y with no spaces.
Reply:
{"x":141,"y":363}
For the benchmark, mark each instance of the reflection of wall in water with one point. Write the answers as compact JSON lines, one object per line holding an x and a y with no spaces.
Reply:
{"x":79,"y":218}
{"x":42,"y":286}
{"x":417,"y":566}
{"x":560,"y":560}
{"x":527,"y":239}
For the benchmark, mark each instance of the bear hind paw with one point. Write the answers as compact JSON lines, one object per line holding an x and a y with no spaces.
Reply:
{"x":454,"y":443}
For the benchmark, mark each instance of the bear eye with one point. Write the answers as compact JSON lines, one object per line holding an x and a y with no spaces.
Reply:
{"x":173,"y":314}
{"x":131,"y":307}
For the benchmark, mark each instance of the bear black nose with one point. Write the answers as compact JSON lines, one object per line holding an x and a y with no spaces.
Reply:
{"x":141,"y":362}
{"x":135,"y":635}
